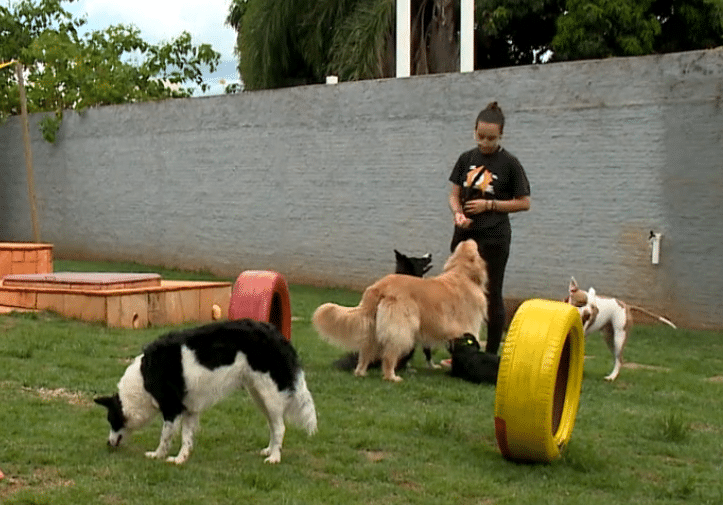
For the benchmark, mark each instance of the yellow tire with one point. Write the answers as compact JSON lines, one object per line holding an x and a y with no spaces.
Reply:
{"x":539,"y":381}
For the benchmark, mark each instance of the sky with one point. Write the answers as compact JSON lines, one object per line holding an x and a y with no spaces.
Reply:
{"x":163,"y":20}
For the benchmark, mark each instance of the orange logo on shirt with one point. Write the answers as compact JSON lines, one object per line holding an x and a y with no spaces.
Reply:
{"x":480,"y":178}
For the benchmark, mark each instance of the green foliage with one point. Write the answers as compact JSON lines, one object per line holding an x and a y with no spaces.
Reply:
{"x":603,"y":28}
{"x":67,"y":71}
{"x":514,"y":33}
{"x":50,"y":125}
{"x":289,"y":42}
{"x":268,"y":44}
{"x":672,"y":427}
{"x":689,"y":24}
{"x":359,"y":46}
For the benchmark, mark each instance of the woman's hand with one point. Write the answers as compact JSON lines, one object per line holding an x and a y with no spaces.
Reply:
{"x":461,"y":220}
{"x":478,"y":206}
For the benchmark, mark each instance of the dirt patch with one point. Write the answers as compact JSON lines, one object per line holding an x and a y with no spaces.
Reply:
{"x":375,"y":456}
{"x":41,"y":479}
{"x":704,"y":428}
{"x":11,"y":485}
{"x":404,"y":483}
{"x":716,"y":379}
{"x":71,"y":397}
{"x":640,"y":366}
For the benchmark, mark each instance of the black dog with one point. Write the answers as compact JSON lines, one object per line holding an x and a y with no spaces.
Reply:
{"x":470,"y":363}
{"x":412,"y":266}
{"x":407,"y":266}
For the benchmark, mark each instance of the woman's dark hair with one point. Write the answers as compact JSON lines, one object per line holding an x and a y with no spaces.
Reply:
{"x":491,"y":114}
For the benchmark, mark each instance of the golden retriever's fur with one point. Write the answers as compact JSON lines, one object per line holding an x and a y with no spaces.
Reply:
{"x":399,"y":311}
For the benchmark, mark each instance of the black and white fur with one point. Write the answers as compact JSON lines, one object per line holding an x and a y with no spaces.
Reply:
{"x":185,"y":372}
{"x":407,"y":265}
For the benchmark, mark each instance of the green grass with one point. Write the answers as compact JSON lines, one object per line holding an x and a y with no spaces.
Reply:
{"x":652,"y":437}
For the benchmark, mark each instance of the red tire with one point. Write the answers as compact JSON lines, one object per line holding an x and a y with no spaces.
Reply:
{"x":262,"y":295}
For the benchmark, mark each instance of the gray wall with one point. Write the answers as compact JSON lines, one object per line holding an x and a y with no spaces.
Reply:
{"x":321,"y":182}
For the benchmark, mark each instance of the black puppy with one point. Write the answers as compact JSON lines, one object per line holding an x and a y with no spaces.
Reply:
{"x":470,"y":363}
{"x":406,"y":265}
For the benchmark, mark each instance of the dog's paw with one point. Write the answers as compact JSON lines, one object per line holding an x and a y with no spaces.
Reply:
{"x":273,"y":459}
{"x":154,"y":455}
{"x":177,"y":460}
{"x":273,"y":456}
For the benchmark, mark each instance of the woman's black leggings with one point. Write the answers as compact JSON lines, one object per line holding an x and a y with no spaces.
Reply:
{"x":495,"y":255}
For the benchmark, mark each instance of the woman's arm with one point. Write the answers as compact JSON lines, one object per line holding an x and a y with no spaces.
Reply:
{"x":518,"y":204}
{"x":455,"y":204}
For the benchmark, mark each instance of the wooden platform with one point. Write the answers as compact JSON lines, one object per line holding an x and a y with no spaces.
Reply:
{"x":83,"y":280}
{"x":118,"y":300}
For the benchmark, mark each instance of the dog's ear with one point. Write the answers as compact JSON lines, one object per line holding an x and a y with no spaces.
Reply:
{"x":573,"y":285}
{"x":591,"y":296}
{"x":399,"y":255}
{"x":428,"y":260}
{"x":105,"y":401}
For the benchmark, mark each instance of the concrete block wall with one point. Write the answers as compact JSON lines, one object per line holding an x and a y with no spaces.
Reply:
{"x":321,"y":182}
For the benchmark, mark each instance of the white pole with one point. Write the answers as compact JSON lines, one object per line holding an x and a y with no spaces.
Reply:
{"x":466,"y":37}
{"x":404,"y":35}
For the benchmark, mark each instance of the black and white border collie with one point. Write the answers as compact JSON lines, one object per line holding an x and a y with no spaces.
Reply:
{"x":187,"y":371}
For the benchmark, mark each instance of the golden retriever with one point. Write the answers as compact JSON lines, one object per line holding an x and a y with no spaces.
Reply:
{"x":399,"y":311}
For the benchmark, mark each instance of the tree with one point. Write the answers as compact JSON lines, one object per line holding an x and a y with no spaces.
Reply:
{"x":688,"y":24}
{"x":510,"y":33}
{"x":603,"y":28}
{"x":289,"y":42}
{"x":65,"y":70}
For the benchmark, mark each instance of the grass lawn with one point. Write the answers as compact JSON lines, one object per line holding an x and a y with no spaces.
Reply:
{"x":653,"y":436}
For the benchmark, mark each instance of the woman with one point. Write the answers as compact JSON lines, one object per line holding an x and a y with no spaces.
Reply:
{"x":489,"y":183}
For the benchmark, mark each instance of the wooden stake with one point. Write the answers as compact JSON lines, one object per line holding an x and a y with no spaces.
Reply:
{"x":28,"y":152}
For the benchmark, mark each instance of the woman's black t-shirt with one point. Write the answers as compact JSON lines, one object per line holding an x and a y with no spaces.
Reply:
{"x":497,"y":176}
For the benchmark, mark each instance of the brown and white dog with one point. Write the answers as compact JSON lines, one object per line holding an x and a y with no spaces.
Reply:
{"x":610,"y":316}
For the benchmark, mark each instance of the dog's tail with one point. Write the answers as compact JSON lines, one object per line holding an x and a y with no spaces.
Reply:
{"x":301,"y":410}
{"x":349,"y":327}
{"x":654,"y":316}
